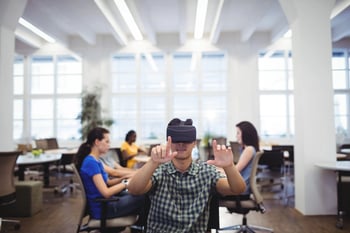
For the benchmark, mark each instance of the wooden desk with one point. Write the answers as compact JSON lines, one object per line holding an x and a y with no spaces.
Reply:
{"x":343,"y":169}
{"x":29,"y":159}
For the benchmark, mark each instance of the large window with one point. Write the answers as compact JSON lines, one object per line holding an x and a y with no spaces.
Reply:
{"x":276,"y":95}
{"x":341,"y":85}
{"x":47,"y":97}
{"x":145,"y":97}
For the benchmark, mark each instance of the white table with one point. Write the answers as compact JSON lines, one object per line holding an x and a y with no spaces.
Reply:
{"x":343,"y":169}
{"x":29,"y":159}
{"x":345,"y":150}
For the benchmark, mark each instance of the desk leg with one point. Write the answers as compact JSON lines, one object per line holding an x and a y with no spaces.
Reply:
{"x":340,"y":221}
{"x":21,"y":172}
{"x":46,"y":175}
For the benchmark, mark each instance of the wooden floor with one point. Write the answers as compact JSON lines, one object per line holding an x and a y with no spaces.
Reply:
{"x":61,"y":213}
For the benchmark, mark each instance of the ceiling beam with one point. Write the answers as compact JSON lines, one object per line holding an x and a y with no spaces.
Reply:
{"x":140,"y":13}
{"x":216,"y":28}
{"x":182,"y":21}
{"x":247,"y":32}
{"x":28,"y":37}
{"x":117,"y":32}
{"x":340,"y":32}
{"x":338,"y":8}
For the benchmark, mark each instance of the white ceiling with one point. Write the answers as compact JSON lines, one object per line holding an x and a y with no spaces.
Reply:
{"x":68,"y":19}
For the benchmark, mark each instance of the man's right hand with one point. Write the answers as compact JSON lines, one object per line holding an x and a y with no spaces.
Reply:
{"x":163,"y":154}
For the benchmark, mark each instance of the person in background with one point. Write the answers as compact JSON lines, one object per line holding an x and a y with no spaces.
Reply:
{"x":114,"y":169}
{"x":96,"y":182}
{"x":129,"y":149}
{"x":179,"y":188}
{"x":247,"y":137}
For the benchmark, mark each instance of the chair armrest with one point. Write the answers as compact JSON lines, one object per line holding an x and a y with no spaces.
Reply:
{"x":104,"y":202}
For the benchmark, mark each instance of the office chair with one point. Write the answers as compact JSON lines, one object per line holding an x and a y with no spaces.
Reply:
{"x":271,"y":169}
{"x":236,"y":150}
{"x":8,"y":189}
{"x":64,"y":169}
{"x":103,"y":225}
{"x":244,"y":206}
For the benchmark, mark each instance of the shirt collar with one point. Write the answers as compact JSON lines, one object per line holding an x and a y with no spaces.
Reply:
{"x":193,"y":169}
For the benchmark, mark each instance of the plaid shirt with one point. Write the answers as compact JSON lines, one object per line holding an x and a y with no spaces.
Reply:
{"x":180,"y":201}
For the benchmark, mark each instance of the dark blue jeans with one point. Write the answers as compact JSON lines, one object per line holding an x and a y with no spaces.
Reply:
{"x":127,"y":205}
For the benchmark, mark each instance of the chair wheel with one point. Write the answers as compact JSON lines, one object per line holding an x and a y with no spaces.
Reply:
{"x":340,"y":224}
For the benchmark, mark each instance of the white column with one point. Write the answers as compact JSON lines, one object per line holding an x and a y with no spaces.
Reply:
{"x":315,"y":189}
{"x":10,"y":11}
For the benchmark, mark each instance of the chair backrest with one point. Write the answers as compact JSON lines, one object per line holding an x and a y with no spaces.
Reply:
{"x":52,"y":143}
{"x":274,"y":159}
{"x":221,"y":140}
{"x":7,"y":166}
{"x":83,"y":211}
{"x":122,"y":161}
{"x":46,"y":143}
{"x":236,"y":150}
{"x":41,"y":144}
{"x":283,"y":148}
{"x":252,"y":179}
{"x":66,"y":159}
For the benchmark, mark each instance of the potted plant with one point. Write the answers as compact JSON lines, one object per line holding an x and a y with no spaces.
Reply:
{"x":91,"y":112}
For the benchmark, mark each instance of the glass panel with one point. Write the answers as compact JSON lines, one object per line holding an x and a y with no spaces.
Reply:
{"x":42,"y":128}
{"x":152,"y":82}
{"x":68,"y":108}
{"x":68,"y":65}
{"x":182,"y":62}
{"x":42,"y":85}
{"x":69,"y":84}
{"x":42,"y":108}
{"x":272,"y":80}
{"x":339,"y":79}
{"x":214,"y":81}
{"x":153,"y":129}
{"x":18,"y":66}
{"x":17,"y":129}
{"x":214,"y":62}
{"x":214,"y":115}
{"x":123,"y":63}
{"x":185,"y":82}
{"x":18,"y":109}
{"x":42,"y":65}
{"x":186,"y":106}
{"x":124,"y":106}
{"x":338,"y":60}
{"x":152,"y":106}
{"x":158,"y":60}
{"x":274,"y":62}
{"x":18,"y":85}
{"x":68,"y":129}
{"x":273,"y":115}
{"x":124,"y":82}
{"x":121,"y":127}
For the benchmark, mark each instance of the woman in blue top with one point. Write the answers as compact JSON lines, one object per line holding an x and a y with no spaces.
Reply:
{"x":248,"y":138}
{"x":96,"y":182}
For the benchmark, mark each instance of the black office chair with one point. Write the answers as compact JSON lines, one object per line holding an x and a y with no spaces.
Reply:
{"x":271,"y":169}
{"x":236,"y":150}
{"x":63,"y":169}
{"x":8,"y":189}
{"x":103,"y":224}
{"x":235,"y":204}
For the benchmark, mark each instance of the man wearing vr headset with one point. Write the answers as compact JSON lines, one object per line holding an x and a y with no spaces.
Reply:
{"x":180,"y":189}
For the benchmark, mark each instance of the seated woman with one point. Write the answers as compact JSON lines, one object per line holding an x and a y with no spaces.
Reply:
{"x":96,"y":182}
{"x":129,"y":149}
{"x":248,"y":138}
